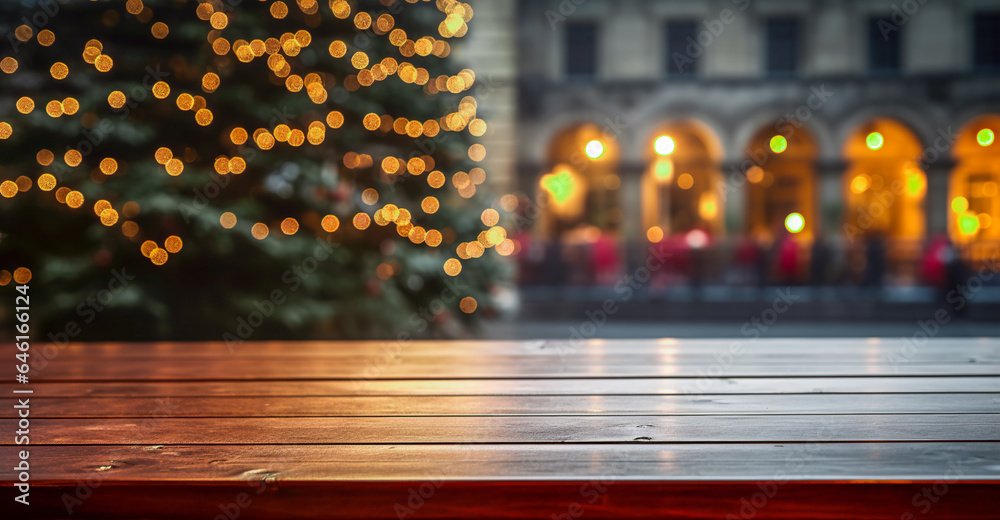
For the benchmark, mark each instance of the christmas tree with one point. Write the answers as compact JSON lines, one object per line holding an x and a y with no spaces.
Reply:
{"x":245,"y":170}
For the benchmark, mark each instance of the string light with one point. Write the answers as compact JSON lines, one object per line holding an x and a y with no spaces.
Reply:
{"x":280,"y":53}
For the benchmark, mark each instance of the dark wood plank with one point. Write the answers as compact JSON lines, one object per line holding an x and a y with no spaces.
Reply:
{"x":516,"y":387}
{"x":374,"y":406}
{"x":830,"y":462}
{"x":515,"y":429}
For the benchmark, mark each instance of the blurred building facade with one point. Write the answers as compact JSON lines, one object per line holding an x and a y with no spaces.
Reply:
{"x":755,"y":141}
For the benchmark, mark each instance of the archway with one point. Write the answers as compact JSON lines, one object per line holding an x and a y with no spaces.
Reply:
{"x":973,"y":201}
{"x":884,"y":190}
{"x":580,"y":188}
{"x":680,"y":188}
{"x":781,"y":194}
{"x":581,"y":215}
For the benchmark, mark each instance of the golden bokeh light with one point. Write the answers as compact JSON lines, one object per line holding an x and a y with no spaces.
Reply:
{"x":161,"y":90}
{"x":25,"y":105}
{"x":259,"y":231}
{"x":452,"y":267}
{"x":8,"y":189}
{"x":100,"y":206}
{"x":490,"y":217}
{"x":158,"y":256}
{"x":59,"y":70}
{"x":147,"y":247}
{"x":46,"y":182}
{"x":430,"y":205}
{"x":130,"y":228}
{"x":477,"y":152}
{"x":74,"y":199}
{"x":70,"y":106}
{"x":109,"y":217}
{"x":8,"y":65}
{"x":104,"y":63}
{"x":330,"y":223}
{"x":173,"y":244}
{"x":22,"y":275}
{"x":654,"y":234}
{"x":108,"y":166}
{"x":289,"y":226}
{"x":163,"y":154}
{"x":116,"y":99}
{"x":228,"y":220}
{"x":159,"y":30}
{"x":362,"y":221}
{"x":174,"y":167}
{"x":23,"y":183}
{"x":468,"y":305}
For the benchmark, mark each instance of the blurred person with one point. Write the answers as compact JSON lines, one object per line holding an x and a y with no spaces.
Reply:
{"x":748,"y":260}
{"x":605,"y":259}
{"x":875,"y":262}
{"x":819,"y":259}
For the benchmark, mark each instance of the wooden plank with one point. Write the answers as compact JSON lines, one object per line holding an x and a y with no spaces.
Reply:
{"x":987,"y":356}
{"x":514,"y":429}
{"x":247,"y":368}
{"x":516,"y":387}
{"x":879,"y":347}
{"x":375,"y":406}
{"x":831,"y":462}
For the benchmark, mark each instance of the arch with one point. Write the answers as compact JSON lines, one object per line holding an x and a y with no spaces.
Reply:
{"x":580,"y":190}
{"x":884,"y":190}
{"x":536,"y":139}
{"x":680,"y":184}
{"x":776,"y":120}
{"x":781,"y":181}
{"x":974,"y":202}
{"x":912,"y":118}
{"x":646,"y":123}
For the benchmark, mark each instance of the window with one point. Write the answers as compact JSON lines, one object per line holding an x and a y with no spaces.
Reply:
{"x":986,"y":40}
{"x":682,"y":48}
{"x":782,"y":46}
{"x":883,"y":45}
{"x":581,"y":50}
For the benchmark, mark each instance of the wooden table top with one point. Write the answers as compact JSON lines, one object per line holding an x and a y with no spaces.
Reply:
{"x":751,"y":428}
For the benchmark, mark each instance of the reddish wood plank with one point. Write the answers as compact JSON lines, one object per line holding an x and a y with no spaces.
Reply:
{"x":247,"y":368}
{"x":829,"y":462}
{"x":516,"y":387}
{"x":514,"y":429}
{"x":432,"y":405}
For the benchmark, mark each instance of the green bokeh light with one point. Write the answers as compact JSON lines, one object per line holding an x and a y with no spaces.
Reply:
{"x":968,"y":224}
{"x":985,"y":137}
{"x":560,"y":185}
{"x":874,"y":141}
{"x":779,"y":144}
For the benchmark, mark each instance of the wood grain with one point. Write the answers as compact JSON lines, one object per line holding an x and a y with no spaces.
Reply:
{"x":790,"y":428}
{"x":433,"y":405}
